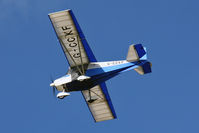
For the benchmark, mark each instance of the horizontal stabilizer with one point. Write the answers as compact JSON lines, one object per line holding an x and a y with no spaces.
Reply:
{"x":144,"y":69}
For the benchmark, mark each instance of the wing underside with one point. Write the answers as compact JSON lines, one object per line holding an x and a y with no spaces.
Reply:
{"x":101,"y":107}
{"x":72,"y":40}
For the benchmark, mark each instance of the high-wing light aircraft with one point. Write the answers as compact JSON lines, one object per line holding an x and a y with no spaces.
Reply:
{"x":87,"y":75}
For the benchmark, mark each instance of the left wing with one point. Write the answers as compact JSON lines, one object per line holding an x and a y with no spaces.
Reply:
{"x":101,"y":107}
{"x":72,"y":39}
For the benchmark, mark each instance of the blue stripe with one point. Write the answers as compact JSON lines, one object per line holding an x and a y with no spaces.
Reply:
{"x":146,"y":67}
{"x":88,"y":50}
{"x":140,"y":50}
{"x":66,"y":75}
{"x":97,"y":71}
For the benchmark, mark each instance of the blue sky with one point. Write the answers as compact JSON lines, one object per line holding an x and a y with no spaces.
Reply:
{"x":163,"y":101}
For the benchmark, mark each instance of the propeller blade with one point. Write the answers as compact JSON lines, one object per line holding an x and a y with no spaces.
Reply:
{"x":52,"y":81}
{"x":54,"y":91}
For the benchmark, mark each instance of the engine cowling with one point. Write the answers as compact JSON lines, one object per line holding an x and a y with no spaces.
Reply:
{"x":63,"y":80}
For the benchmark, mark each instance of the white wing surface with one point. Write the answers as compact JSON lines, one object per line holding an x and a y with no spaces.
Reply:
{"x":101,"y":107}
{"x":71,"y":38}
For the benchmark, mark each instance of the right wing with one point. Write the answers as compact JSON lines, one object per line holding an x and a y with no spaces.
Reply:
{"x":72,"y":39}
{"x":101,"y":108}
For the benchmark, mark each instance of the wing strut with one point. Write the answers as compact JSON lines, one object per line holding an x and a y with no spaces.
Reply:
{"x":80,"y":56}
{"x":71,"y":56}
{"x":96,"y":94}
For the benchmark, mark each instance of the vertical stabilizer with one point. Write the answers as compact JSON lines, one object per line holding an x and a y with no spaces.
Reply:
{"x":135,"y":52}
{"x":138,"y":53}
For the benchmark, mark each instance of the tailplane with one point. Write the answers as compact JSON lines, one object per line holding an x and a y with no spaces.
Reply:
{"x":138,"y":53}
{"x":144,"y":69}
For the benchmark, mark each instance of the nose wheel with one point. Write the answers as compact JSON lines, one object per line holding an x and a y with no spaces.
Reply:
{"x":62,"y":94}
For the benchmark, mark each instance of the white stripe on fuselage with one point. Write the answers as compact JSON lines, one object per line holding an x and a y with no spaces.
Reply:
{"x":106,"y":64}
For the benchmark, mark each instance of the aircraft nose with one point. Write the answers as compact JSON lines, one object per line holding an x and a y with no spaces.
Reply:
{"x":52,"y":84}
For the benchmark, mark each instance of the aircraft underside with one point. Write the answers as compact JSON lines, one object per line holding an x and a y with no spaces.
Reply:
{"x":93,"y":81}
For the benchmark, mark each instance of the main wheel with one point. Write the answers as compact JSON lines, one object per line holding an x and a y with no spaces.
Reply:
{"x":61,"y":97}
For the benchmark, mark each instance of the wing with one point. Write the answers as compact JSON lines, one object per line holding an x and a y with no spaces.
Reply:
{"x":72,"y":39}
{"x":101,"y":107}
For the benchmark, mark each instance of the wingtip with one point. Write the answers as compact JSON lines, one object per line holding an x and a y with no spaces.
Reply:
{"x":67,"y":10}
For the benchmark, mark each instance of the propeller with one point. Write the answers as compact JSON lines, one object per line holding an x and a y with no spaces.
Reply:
{"x":52,"y":84}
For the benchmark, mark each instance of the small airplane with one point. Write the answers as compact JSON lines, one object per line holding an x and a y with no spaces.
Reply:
{"x":87,"y":75}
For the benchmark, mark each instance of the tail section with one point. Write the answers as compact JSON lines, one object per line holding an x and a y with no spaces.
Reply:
{"x":138,"y":53}
{"x":144,"y":69}
{"x":135,"y":52}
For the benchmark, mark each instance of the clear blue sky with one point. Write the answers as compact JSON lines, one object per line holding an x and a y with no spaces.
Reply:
{"x":165,"y":101}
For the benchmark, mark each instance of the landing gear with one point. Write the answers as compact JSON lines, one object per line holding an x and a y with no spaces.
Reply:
{"x":83,"y":77}
{"x":91,"y":100}
{"x":61,"y":97}
{"x":62,"y":94}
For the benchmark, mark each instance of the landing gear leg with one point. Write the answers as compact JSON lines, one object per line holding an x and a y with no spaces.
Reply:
{"x":62,"y":94}
{"x":90,"y":100}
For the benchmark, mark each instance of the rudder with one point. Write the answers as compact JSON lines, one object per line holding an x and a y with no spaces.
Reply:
{"x":135,"y":52}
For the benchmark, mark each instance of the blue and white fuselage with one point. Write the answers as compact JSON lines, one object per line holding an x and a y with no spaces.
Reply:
{"x":97,"y":73}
